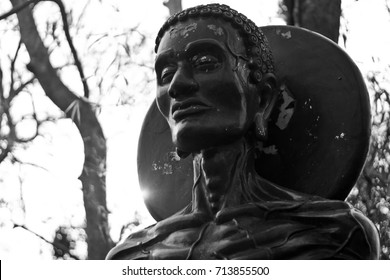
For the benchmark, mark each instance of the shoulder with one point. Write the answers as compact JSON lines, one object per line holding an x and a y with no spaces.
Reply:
{"x":368,"y":234}
{"x":135,"y":246}
{"x":350,"y":234}
{"x":132,"y":247}
{"x":360,"y":238}
{"x":318,"y":228}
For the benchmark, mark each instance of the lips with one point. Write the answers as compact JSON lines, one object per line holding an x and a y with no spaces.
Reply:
{"x":180,"y":110}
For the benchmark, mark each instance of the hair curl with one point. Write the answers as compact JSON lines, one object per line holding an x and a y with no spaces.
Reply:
{"x":256,"y":44}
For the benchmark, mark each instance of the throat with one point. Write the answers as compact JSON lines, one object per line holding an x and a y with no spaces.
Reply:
{"x":219,"y":177}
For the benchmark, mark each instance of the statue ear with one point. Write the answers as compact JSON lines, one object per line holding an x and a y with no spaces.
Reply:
{"x":268,"y":97}
{"x":268,"y":94}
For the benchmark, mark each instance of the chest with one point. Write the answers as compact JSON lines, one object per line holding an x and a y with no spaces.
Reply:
{"x":204,"y":242}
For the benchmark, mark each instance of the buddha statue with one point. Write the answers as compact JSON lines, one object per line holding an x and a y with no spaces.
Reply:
{"x":236,"y":105}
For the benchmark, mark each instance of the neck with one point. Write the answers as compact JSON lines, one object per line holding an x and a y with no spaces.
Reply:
{"x":225,"y":176}
{"x":219,"y":176}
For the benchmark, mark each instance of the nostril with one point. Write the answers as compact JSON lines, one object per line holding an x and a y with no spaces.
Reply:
{"x":177,"y":89}
{"x":171,"y":92}
{"x":194,"y":86}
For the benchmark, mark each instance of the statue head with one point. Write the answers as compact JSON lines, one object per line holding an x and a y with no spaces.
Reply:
{"x":215,"y":77}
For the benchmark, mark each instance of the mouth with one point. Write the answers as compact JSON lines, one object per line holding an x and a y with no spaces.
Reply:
{"x":181,"y":110}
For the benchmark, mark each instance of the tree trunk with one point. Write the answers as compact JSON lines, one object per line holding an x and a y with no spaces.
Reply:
{"x":94,"y":169}
{"x":322,"y":16}
{"x":174,"y":6}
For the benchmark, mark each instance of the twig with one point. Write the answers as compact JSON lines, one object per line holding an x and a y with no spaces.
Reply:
{"x":13,"y":61}
{"x":22,"y":86}
{"x":82,"y":14}
{"x":27,"y":163}
{"x":21,"y":182}
{"x":14,"y":92}
{"x":54,"y":244}
{"x":4,"y":109}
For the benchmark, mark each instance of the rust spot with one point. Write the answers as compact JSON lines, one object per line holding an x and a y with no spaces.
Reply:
{"x":167,"y":169}
{"x":218,"y":31}
{"x":270,"y":150}
{"x":286,"y":35}
{"x":341,"y":136}
{"x":182,"y":30}
{"x":173,"y":156}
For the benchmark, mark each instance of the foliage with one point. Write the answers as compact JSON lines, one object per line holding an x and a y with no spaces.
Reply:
{"x":371,"y":195}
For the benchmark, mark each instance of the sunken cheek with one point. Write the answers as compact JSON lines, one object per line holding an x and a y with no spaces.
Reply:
{"x":223,"y":94}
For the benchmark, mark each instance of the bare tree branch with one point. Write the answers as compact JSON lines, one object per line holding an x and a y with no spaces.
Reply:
{"x":21,"y":182}
{"x":18,"y":8}
{"x":4,"y":151}
{"x":4,"y":110}
{"x":23,"y":85}
{"x":39,"y":61}
{"x":54,"y":244}
{"x":78,"y":21}
{"x":15,"y":159}
{"x":72,"y":48}
{"x":61,"y":6}
{"x":13,"y":61}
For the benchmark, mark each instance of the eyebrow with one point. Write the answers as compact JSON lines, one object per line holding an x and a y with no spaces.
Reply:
{"x":160,"y":58}
{"x":201,"y":44}
{"x":204,"y":43}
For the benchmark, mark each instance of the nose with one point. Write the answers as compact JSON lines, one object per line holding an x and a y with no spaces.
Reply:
{"x":182,"y":84}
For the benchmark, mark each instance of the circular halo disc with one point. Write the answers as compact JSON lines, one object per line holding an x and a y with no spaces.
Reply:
{"x":318,"y":134}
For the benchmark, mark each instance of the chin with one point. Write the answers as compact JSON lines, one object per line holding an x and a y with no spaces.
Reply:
{"x":192,"y":139}
{"x":190,"y":142}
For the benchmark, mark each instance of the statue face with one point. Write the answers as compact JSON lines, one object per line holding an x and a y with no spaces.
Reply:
{"x":202,"y":84}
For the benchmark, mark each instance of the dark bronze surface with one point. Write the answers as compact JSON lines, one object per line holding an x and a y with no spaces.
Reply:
{"x":322,"y":149}
{"x":263,"y":155}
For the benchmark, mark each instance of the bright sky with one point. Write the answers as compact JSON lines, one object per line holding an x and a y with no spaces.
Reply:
{"x":55,"y":197}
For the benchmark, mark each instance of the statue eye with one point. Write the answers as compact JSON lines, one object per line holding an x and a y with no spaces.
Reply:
{"x":167,"y":74}
{"x":205,"y":63}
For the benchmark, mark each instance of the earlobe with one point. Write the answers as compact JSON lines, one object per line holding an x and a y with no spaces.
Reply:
{"x":268,"y":97}
{"x":261,"y":126}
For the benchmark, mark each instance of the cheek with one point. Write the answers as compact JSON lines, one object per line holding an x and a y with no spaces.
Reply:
{"x":227,"y":94}
{"x":163,"y":101}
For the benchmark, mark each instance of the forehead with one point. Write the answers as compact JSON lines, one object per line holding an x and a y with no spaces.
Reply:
{"x":177,"y":37}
